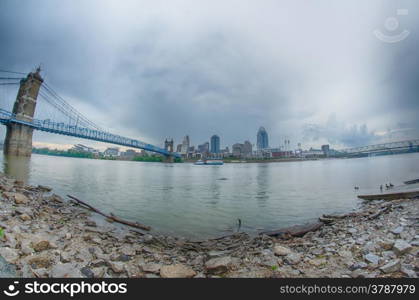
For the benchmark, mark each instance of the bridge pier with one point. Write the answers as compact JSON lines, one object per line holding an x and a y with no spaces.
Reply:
{"x":19,"y":137}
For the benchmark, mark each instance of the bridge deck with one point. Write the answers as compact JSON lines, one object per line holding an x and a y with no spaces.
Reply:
{"x":7,"y":117}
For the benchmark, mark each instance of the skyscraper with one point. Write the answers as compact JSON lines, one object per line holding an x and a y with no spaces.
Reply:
{"x":215,"y":144}
{"x":185,"y":145}
{"x":262,"y":139}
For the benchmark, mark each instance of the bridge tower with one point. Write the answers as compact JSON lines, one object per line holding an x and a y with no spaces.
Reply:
{"x":19,"y":137}
{"x":168,"y":145}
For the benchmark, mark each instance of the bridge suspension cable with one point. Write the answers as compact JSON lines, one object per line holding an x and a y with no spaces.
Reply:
{"x":52,"y":97}
{"x":11,"y":72}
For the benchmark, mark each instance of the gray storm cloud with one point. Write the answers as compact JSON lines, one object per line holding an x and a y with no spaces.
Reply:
{"x":151,"y":69}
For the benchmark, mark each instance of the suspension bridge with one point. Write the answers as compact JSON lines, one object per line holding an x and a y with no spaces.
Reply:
{"x":53,"y":115}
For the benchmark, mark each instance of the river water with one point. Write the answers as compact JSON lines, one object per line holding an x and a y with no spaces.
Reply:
{"x":206,"y":201}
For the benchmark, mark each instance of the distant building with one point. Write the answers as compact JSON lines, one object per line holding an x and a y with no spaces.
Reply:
{"x":247,"y":149}
{"x":179,"y":148}
{"x":111,"y":152}
{"x":312,"y":153}
{"x":225,"y":151}
{"x":83,"y":148}
{"x":326,"y":150}
{"x":262,"y":139}
{"x":215,"y":144}
{"x":203,"y":148}
{"x":185,"y":145}
{"x":237,"y":150}
{"x":129,"y":154}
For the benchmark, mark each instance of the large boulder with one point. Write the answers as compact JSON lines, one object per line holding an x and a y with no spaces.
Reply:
{"x":218,"y":265}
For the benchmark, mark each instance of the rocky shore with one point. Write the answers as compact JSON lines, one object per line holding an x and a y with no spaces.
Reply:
{"x":44,"y":235}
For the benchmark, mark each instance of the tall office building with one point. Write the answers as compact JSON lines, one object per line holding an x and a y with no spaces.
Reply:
{"x":215,"y":144}
{"x":262,"y":139}
{"x":247,"y":148}
{"x":185,"y":145}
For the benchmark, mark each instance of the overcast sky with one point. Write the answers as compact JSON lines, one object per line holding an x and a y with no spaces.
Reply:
{"x":311,"y":71}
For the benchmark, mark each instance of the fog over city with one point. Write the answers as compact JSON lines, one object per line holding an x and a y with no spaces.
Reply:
{"x":312,"y":72}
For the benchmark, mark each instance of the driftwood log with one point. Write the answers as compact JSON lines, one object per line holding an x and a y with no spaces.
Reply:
{"x":294,"y":231}
{"x":111,"y":216}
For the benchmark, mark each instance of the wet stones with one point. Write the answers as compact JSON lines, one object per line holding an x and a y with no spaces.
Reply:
{"x":18,"y":198}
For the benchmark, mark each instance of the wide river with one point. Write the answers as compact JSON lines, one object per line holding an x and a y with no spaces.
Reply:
{"x":206,"y":201}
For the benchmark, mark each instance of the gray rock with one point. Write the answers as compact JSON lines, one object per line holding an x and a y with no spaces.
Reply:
{"x":352,"y":230}
{"x":372,"y":258}
{"x":127,"y":250}
{"x":359,"y":273}
{"x":99,"y":272}
{"x":68,"y":270}
{"x":358,"y":265}
{"x":214,"y":253}
{"x":386,"y":244}
{"x":7,"y":270}
{"x":397,"y":230}
{"x":392,"y":266}
{"x":293,"y":258}
{"x":408,"y":272}
{"x":10,"y":255}
{"x":117,"y":267}
{"x":401,"y":247}
{"x":87,"y":272}
{"x":151,"y":268}
{"x":281,"y":250}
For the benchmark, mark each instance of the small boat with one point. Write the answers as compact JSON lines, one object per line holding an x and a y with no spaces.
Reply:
{"x":212,"y":162}
{"x":412,"y":181}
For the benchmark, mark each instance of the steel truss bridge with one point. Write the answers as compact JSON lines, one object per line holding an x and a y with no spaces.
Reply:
{"x":412,"y":145}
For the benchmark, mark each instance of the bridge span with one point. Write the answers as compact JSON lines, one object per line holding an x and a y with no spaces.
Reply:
{"x":20,"y":122}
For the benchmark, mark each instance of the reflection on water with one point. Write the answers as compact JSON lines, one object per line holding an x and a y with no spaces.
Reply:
{"x":17,"y":167}
{"x":204,"y":201}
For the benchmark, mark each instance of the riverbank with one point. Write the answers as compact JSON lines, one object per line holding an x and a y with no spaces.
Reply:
{"x":44,"y":235}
